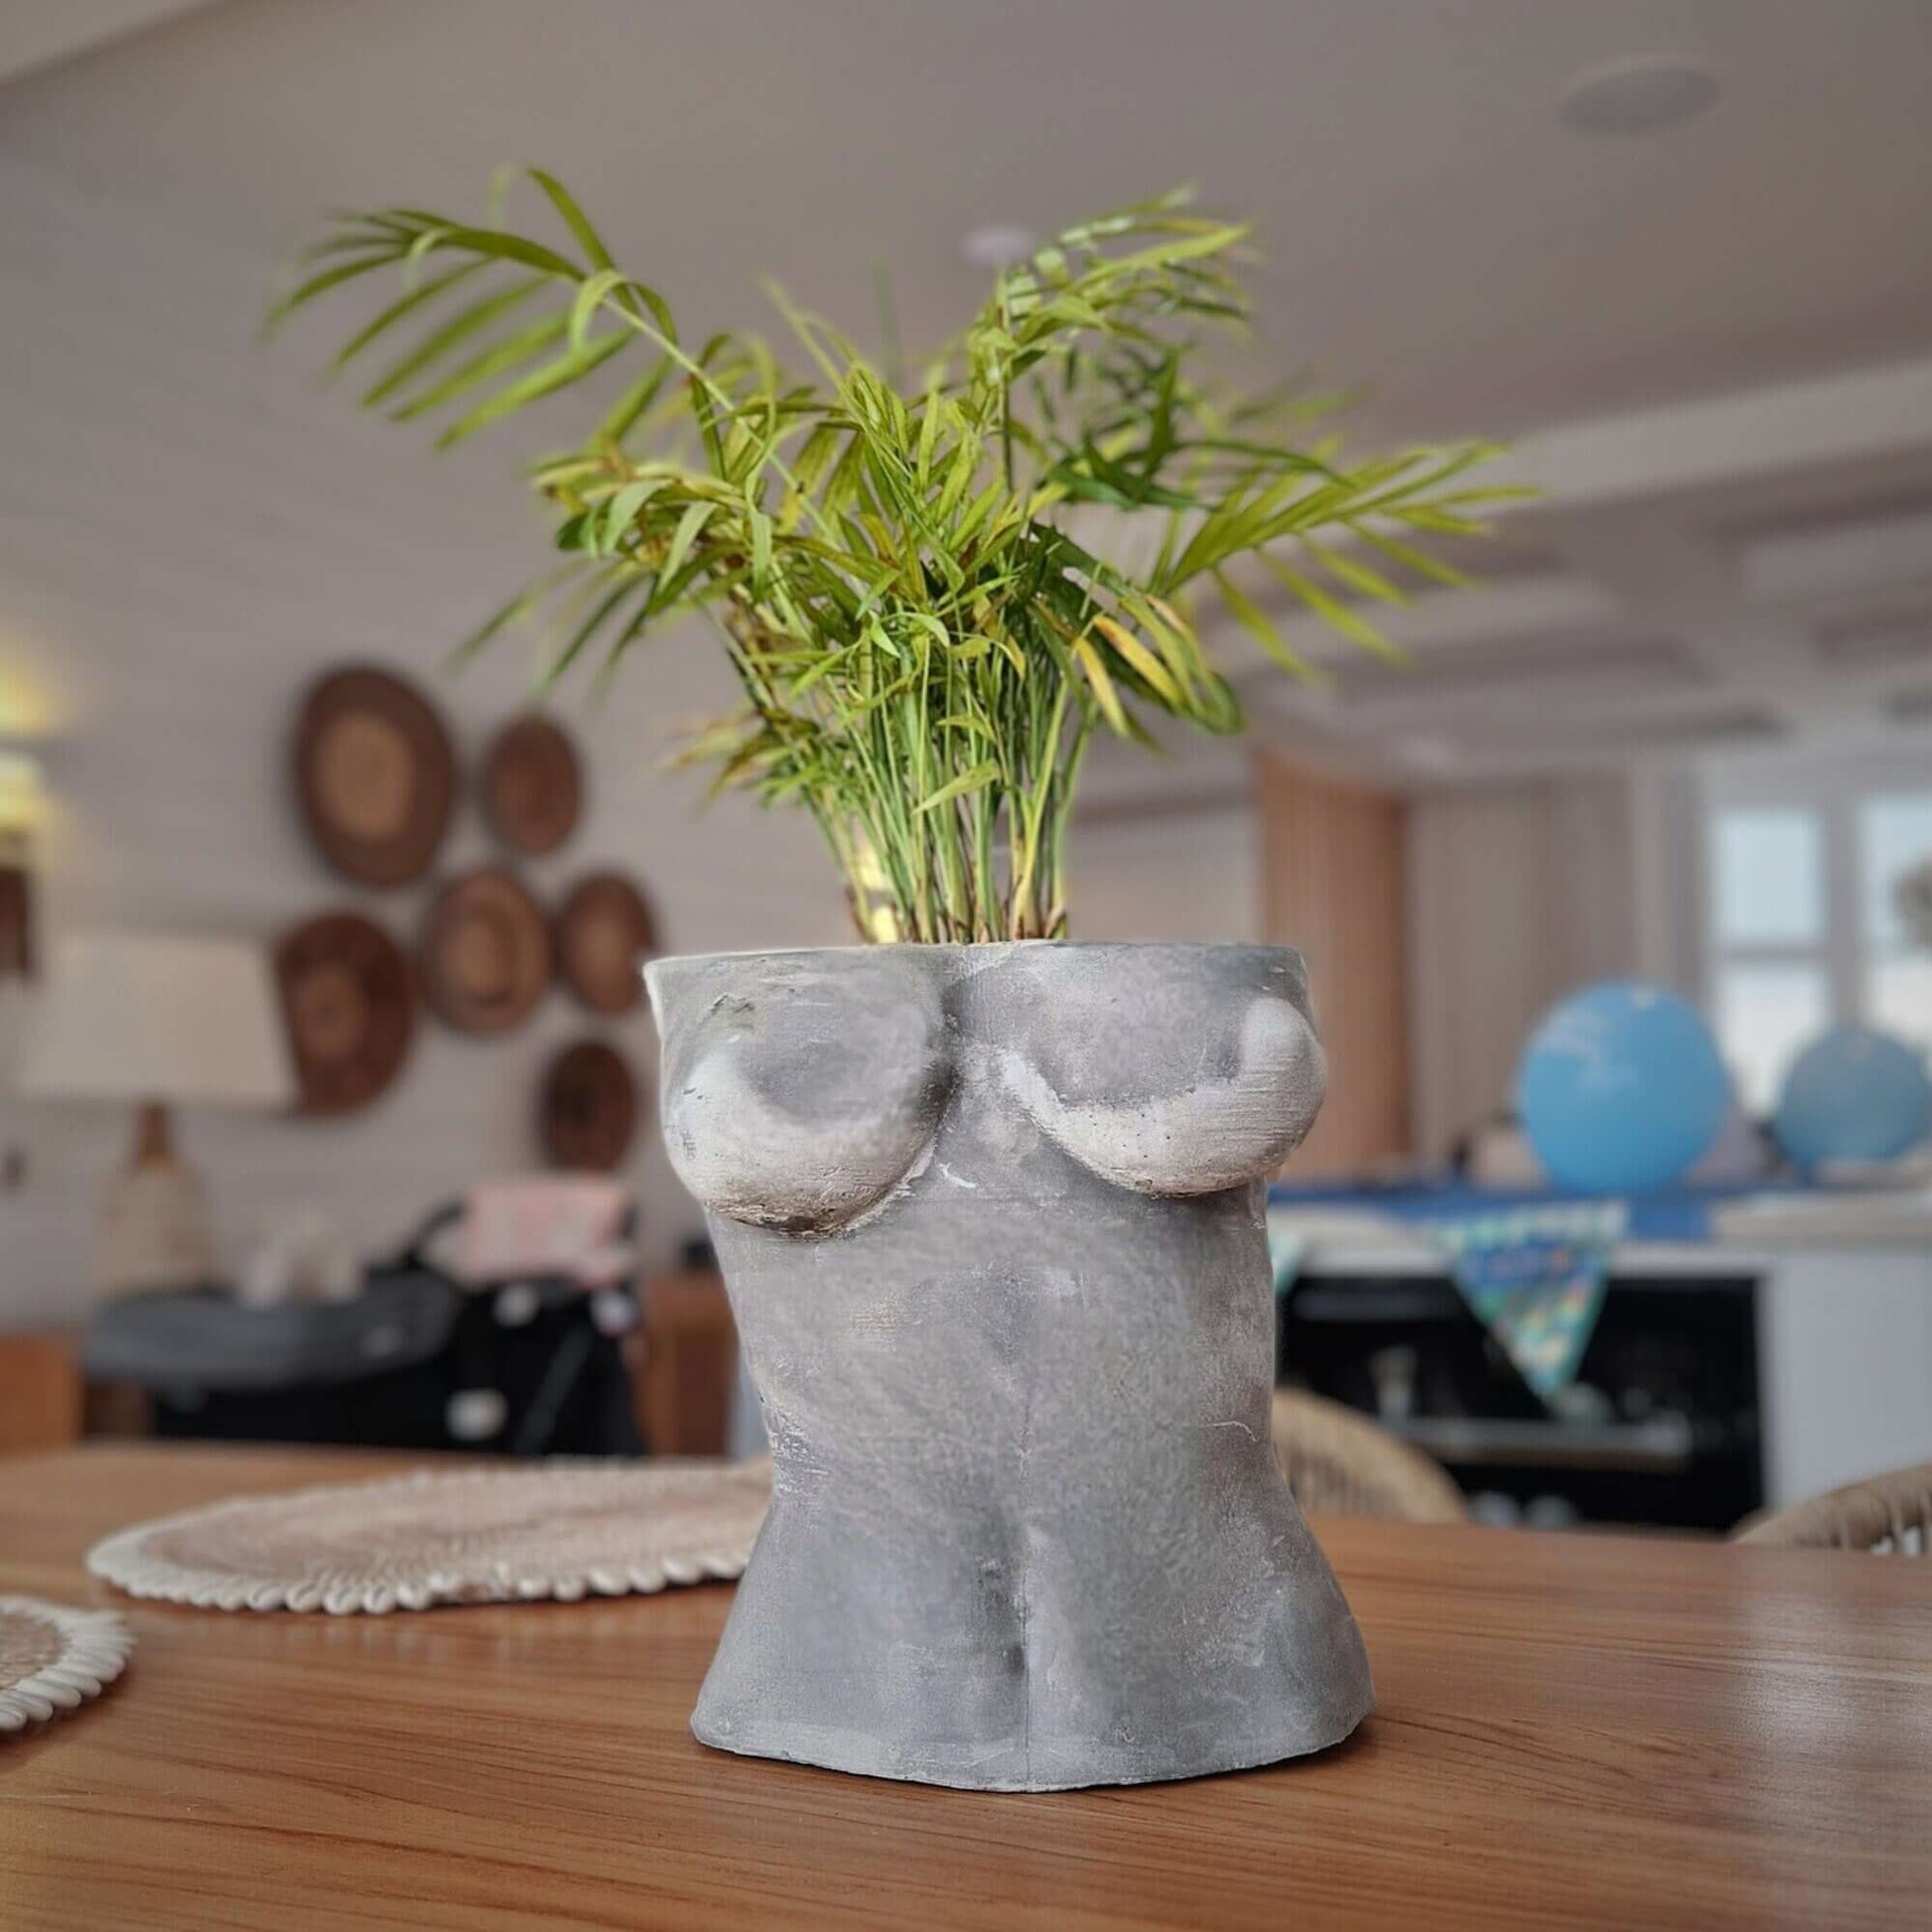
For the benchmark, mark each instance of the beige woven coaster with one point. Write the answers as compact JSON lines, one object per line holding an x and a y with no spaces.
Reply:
{"x":560,"y":1530}
{"x":53,"y":1658}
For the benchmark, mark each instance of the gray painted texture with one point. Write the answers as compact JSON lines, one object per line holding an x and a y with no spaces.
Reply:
{"x":991,"y":1221}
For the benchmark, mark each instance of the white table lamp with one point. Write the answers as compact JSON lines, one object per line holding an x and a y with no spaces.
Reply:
{"x":156,"y":1020}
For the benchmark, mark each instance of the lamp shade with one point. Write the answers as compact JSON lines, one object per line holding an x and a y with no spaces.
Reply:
{"x":131,"y":1016}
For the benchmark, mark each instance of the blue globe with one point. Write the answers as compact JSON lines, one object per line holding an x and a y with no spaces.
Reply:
{"x":1621,"y":1088}
{"x":1853,"y":1094}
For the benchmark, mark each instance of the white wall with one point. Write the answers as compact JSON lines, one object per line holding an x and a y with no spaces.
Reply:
{"x":189,"y":534}
{"x":1178,"y":873}
{"x":1845,"y":1345}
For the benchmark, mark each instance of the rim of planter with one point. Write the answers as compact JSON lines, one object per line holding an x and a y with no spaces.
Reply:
{"x":875,"y":948}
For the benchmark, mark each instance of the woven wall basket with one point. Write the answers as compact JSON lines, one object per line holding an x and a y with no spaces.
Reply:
{"x":562,"y":1530}
{"x":53,"y":1658}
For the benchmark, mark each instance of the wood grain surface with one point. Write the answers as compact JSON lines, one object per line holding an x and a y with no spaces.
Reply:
{"x":1573,"y":1730}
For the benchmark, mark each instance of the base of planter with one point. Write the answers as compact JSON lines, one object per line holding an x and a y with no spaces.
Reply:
{"x":964,"y":1711}
{"x":1035,"y":1605}
{"x":866,"y":1756}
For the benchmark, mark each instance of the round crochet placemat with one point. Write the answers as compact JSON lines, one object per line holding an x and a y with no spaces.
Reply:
{"x":53,"y":1658}
{"x":562,"y":1530}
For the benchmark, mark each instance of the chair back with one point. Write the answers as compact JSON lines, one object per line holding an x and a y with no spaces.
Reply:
{"x":1339,"y":1461}
{"x":1890,"y":1514}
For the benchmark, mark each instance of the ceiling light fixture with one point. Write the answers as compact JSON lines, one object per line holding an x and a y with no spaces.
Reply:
{"x":1643,"y":93}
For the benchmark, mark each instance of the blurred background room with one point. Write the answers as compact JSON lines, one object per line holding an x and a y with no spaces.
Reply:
{"x":326,"y":1085}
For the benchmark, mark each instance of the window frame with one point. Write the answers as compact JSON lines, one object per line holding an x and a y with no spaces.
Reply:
{"x":1835,"y":789}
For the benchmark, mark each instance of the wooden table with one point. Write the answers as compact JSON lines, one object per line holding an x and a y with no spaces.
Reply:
{"x":1571,"y":1731}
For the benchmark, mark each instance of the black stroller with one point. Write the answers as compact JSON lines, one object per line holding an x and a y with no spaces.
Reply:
{"x":503,"y":1326}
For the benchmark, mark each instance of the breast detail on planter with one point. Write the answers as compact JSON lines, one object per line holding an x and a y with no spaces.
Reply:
{"x":806,"y":1097}
{"x":1219,"y":1097}
{"x":991,"y":1221}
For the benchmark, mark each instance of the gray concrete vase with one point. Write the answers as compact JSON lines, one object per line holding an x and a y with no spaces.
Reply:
{"x":990,"y":1218}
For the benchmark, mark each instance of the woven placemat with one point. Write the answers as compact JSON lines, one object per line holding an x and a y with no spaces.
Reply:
{"x":53,"y":1658}
{"x":562,"y":1530}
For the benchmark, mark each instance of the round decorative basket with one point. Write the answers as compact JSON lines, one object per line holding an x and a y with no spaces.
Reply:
{"x":53,"y":1658}
{"x":586,"y":1111}
{"x":374,"y":773}
{"x":348,"y":996}
{"x":560,"y":1529}
{"x":531,"y":787}
{"x":604,"y":933}
{"x":486,"y":954}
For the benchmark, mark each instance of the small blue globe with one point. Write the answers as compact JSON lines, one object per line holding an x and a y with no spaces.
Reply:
{"x":1853,"y":1094}
{"x":1621,"y":1088}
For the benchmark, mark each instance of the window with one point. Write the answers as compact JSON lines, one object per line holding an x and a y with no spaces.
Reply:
{"x":1895,"y":835}
{"x":1770,"y":875}
{"x":1801,"y":923}
{"x":1772,"y":987}
{"x":1765,"y":1017}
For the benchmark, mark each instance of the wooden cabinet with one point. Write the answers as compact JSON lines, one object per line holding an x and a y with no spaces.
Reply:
{"x":40,"y":1393}
{"x":689,"y":1365}
{"x":1333,"y":881}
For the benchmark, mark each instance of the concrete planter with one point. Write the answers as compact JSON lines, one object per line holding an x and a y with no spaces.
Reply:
{"x":991,"y":1221}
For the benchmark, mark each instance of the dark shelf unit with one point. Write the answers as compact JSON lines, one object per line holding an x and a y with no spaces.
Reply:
{"x":1675,"y":1443}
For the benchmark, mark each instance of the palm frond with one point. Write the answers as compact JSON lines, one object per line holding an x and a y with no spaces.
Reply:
{"x":925,"y":645}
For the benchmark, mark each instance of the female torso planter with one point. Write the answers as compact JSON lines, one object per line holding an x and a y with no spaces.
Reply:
{"x":991,"y":1219}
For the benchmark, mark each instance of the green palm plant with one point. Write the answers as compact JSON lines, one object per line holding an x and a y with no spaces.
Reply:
{"x":927,"y":645}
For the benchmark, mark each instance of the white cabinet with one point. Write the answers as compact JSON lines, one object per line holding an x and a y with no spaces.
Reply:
{"x":1845,"y":1347}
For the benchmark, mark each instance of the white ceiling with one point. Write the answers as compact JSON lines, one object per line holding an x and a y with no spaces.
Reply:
{"x":37,"y":33}
{"x":1703,"y":571}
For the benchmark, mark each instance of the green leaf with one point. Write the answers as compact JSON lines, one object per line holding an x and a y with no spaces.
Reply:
{"x":689,"y":527}
{"x":760,"y":552}
{"x":587,"y":238}
{"x":568,"y":368}
{"x":1338,"y":616}
{"x":1103,"y":685}
{"x":633,"y":402}
{"x":1409,"y":558}
{"x":622,"y":509}
{"x":586,"y":631}
{"x":1151,"y":671}
{"x":405,"y":305}
{"x":1255,"y":622}
{"x":507,"y":353}
{"x":446,"y":337}
{"x":497,"y":246}
{"x":590,"y":296}
{"x":322,"y":283}
{"x":498,"y":619}
{"x":977,"y":780}
{"x":1355,"y":574}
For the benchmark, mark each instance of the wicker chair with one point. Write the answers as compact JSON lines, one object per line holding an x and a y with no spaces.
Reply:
{"x":1890,"y":1513}
{"x":1337,"y":1460}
